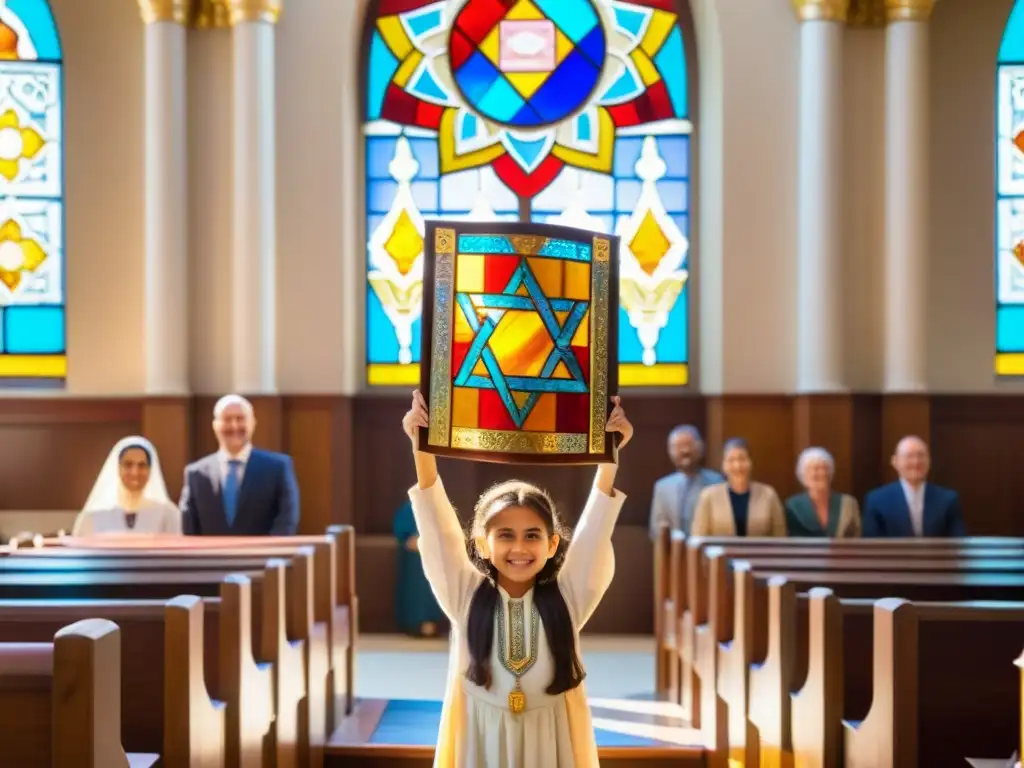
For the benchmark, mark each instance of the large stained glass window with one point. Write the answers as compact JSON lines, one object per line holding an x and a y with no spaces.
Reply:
{"x":570,"y":112}
{"x":1010,"y":199}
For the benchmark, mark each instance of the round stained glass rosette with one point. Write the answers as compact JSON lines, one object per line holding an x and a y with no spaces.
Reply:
{"x":527,"y":63}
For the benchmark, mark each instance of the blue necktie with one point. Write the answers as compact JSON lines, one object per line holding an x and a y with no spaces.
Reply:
{"x":231,"y":490}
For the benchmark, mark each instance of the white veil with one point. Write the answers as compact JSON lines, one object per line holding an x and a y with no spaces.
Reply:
{"x":106,"y":493}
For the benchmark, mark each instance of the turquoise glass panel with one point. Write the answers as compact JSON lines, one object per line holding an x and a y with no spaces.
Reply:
{"x":33,"y":330}
{"x":1012,"y":49}
{"x":38,"y":20}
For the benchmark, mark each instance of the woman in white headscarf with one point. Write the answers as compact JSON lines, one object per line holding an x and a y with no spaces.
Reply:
{"x":129,"y":495}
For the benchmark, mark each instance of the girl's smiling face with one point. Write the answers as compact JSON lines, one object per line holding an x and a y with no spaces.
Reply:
{"x":518,"y":544}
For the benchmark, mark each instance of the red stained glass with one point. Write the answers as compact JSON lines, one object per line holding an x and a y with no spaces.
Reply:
{"x":429,"y":115}
{"x":493,"y":413}
{"x":624,"y":115}
{"x":459,"y":351}
{"x":478,"y":17}
{"x":665,"y":5}
{"x":388,"y":7}
{"x":583,"y":356}
{"x":399,"y":106}
{"x":659,"y":105}
{"x":573,"y":413}
{"x":524,"y":185}
{"x":459,"y":48}
{"x":498,"y":271}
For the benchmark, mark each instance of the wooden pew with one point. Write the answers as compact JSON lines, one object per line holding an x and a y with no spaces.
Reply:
{"x":336,"y":601}
{"x":670,"y":574}
{"x":748,"y":709}
{"x":170,"y":650}
{"x":983,"y":574}
{"x":300,"y":721}
{"x":60,"y":702}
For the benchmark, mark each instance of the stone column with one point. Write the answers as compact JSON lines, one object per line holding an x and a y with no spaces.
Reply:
{"x":906,"y":408}
{"x":254,"y":260}
{"x":166,"y":258}
{"x":822,"y":410}
{"x":819,"y":285}
{"x":906,"y":195}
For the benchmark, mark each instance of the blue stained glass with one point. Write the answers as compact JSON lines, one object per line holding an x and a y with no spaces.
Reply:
{"x":627,"y":86}
{"x":424,"y":194}
{"x":382,"y":344}
{"x":630,"y":20}
{"x":426,"y":86}
{"x":566,"y":89}
{"x":529,"y":151}
{"x":33,"y":330}
{"x":379,"y":154}
{"x":627,"y":194}
{"x":501,"y":101}
{"x":475,"y":77}
{"x":583,"y":127}
{"x":527,"y":116}
{"x":673,"y":341}
{"x":383,"y":65}
{"x":380,"y":196}
{"x":38,"y":20}
{"x":1012,"y":49}
{"x":484,"y":244}
{"x":675,"y":151}
{"x":424,"y":21}
{"x":1010,"y":329}
{"x":576,"y":18}
{"x":1,"y":330}
{"x":593,"y":47}
{"x":425,"y":152}
{"x":673,"y":195}
{"x":469,"y":125}
{"x":627,"y":152}
{"x":671,"y":62}
{"x":566,"y":249}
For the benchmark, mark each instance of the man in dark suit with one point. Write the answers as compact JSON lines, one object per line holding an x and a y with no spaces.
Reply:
{"x":912,"y":506}
{"x":239,"y":490}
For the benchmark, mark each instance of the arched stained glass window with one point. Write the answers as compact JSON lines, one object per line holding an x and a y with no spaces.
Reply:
{"x":565,"y":111}
{"x":32,"y":322}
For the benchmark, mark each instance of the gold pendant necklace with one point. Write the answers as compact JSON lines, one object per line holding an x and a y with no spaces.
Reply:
{"x":514,"y":656}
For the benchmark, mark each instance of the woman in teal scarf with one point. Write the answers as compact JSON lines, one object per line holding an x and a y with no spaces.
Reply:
{"x":416,"y":607}
{"x":819,"y":511}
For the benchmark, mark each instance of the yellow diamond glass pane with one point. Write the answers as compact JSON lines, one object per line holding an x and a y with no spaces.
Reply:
{"x":521,"y":343}
{"x":649,"y":244}
{"x":405,"y":243}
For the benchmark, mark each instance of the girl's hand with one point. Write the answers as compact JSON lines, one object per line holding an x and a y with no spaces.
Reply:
{"x":415,"y":418}
{"x":617,"y":422}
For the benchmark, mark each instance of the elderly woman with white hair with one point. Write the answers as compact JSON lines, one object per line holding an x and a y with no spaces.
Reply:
{"x":819,"y":511}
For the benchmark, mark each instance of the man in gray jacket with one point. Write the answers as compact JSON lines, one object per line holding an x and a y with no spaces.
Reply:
{"x":675,"y":495}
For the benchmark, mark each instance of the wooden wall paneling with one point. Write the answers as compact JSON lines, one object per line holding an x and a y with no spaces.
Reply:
{"x":344,"y":449}
{"x":52,"y":450}
{"x":826,"y":421}
{"x":203,"y":440}
{"x":309,"y":438}
{"x":270,"y":428}
{"x":167,"y":422}
{"x":977,"y":444}
{"x":766,"y":423}
{"x":866,"y":471}
{"x":903,"y":415}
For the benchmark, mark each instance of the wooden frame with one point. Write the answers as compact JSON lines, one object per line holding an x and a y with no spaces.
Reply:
{"x":446,"y":244}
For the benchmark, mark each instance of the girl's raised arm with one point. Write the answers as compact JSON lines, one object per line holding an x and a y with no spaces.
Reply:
{"x":590,"y":562}
{"x":442,"y":543}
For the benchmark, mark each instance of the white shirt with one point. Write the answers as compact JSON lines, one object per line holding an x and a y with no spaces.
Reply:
{"x":223,"y":457}
{"x":915,"y":502}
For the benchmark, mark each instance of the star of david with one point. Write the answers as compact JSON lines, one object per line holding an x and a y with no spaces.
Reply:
{"x":494,"y":306}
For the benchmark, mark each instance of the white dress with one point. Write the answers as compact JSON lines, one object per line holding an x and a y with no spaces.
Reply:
{"x":151,"y":517}
{"x":478,"y":730}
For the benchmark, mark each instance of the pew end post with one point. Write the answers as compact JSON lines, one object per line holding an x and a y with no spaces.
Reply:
{"x":345,"y":539}
{"x":87,"y":696}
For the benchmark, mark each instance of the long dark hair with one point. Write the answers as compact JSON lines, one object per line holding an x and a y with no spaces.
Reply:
{"x":547,"y":597}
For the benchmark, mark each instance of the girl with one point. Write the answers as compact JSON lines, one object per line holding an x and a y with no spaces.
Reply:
{"x":515,"y":695}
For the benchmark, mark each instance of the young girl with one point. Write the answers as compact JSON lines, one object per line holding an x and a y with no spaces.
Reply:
{"x":515,"y":695}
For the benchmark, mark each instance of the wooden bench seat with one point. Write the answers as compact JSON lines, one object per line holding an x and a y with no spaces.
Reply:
{"x":747,"y":709}
{"x":60,"y":702}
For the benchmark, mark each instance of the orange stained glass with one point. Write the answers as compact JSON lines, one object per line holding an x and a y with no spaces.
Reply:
{"x":549,"y":274}
{"x":521,"y":343}
{"x":469,"y":274}
{"x":544,"y":414}
{"x":465,"y":407}
{"x":577,"y":281}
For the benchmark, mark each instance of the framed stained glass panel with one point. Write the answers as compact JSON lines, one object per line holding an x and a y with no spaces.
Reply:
{"x":520,"y":361}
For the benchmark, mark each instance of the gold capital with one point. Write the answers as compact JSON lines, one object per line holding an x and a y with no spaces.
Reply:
{"x":908,"y":10}
{"x":165,"y":10}
{"x":213,"y":14}
{"x":268,"y":11}
{"x":822,"y":10}
{"x":867,"y":13}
